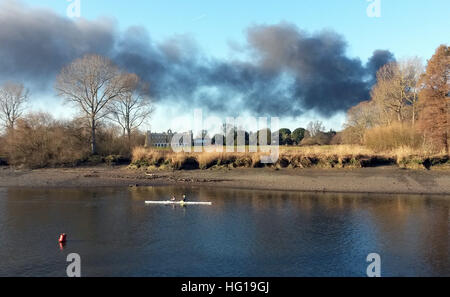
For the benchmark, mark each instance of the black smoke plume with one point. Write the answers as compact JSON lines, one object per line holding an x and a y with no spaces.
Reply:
{"x":290,"y":71}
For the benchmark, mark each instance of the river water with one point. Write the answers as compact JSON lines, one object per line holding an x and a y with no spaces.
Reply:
{"x":244,"y":233}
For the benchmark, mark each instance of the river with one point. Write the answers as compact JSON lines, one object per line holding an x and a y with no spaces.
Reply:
{"x":244,"y":233}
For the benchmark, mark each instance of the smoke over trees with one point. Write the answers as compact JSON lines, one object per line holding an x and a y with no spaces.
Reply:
{"x":405,"y":93}
{"x":290,"y":71}
{"x":396,"y":91}
{"x":92,"y":83}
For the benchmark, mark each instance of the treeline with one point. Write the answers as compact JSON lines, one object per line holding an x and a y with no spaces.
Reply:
{"x":111,"y":103}
{"x":38,"y":140}
{"x":409,"y":107}
{"x":314,"y":134}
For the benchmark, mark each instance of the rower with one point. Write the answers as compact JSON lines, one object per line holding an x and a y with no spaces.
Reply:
{"x":173,"y":198}
{"x":184,"y":198}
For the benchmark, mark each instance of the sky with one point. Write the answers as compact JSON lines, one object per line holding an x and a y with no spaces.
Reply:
{"x":220,"y":30}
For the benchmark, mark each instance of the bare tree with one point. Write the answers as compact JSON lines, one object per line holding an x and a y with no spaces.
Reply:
{"x":395,"y":92}
{"x":385,"y":95}
{"x":360,"y":118}
{"x":13,"y":97}
{"x":91,"y":83}
{"x":412,"y":69}
{"x":133,"y":107}
{"x":314,"y":128}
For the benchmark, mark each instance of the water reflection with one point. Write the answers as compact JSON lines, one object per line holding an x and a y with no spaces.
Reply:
{"x":248,"y":233}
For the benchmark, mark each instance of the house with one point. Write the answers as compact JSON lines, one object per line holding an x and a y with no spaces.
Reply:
{"x":158,"y":139}
{"x":163,"y":139}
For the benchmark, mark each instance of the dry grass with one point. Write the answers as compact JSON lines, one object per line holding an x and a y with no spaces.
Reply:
{"x":154,"y":156}
{"x":328,"y":150}
{"x":388,"y":138}
{"x":332,"y":156}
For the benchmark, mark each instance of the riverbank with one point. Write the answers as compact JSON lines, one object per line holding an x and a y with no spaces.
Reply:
{"x":389,"y":179}
{"x":303,"y":157}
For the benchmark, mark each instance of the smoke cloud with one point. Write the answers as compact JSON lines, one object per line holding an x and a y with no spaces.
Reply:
{"x":290,"y":71}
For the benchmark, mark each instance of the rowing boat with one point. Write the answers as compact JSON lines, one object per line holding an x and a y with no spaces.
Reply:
{"x":177,"y":203}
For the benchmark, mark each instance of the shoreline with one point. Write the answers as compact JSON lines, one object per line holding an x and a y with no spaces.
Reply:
{"x":379,"y":180}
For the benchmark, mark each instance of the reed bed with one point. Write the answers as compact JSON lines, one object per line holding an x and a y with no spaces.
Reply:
{"x":332,"y":156}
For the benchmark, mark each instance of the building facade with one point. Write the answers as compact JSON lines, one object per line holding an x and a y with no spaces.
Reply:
{"x":164,"y":139}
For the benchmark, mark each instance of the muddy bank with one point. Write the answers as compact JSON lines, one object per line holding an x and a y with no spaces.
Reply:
{"x":364,"y":180}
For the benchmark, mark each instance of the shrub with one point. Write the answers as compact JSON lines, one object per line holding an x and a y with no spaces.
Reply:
{"x":94,"y":160}
{"x":350,"y":135}
{"x":40,"y":141}
{"x":388,"y":138}
{"x":411,"y":163}
{"x":187,"y":163}
{"x":283,"y":162}
{"x":320,"y":139}
{"x":208,"y":160}
{"x":243,"y":161}
{"x":337,"y":156}
{"x":111,"y":141}
{"x":146,"y":157}
{"x":116,"y":160}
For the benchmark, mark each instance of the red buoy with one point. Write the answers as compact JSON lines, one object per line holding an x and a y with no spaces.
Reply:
{"x":63,"y":238}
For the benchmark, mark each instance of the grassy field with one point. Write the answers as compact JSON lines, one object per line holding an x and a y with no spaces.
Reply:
{"x":332,"y":156}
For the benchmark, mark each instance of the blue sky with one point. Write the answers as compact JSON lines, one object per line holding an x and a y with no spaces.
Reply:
{"x":406,"y":27}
